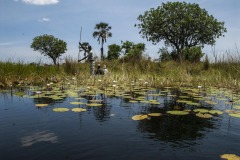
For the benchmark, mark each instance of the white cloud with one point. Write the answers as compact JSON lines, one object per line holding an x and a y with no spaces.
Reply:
{"x":40,"y":2}
{"x":44,"y":19}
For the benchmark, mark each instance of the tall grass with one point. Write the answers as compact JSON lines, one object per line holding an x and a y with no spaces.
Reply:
{"x":222,"y":73}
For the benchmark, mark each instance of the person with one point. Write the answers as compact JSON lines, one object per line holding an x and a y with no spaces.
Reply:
{"x":99,"y":71}
{"x":105,"y":70}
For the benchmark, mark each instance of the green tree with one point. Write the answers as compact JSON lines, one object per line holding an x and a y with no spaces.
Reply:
{"x":102,"y":33}
{"x":49,"y":46}
{"x":180,"y":25}
{"x":114,"y":51}
{"x":133,"y":51}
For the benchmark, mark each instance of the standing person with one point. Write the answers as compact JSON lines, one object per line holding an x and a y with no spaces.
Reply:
{"x":105,"y":70}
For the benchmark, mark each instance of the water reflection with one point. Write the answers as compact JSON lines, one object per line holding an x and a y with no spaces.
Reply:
{"x":42,"y":136}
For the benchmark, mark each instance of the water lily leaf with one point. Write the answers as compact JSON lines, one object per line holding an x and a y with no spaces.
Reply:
{"x":78,"y":109}
{"x":41,"y":105}
{"x":229,"y":111}
{"x":154,"y":114}
{"x":60,"y":109}
{"x":236,"y":107}
{"x":211,"y":102}
{"x":144,"y":101}
{"x":202,"y":115}
{"x":193,"y":104}
{"x":230,"y":156}
{"x":178,"y":112}
{"x":76,"y":103}
{"x":139,"y":117}
{"x":201,"y":110}
{"x":94,"y":104}
{"x":215,"y":112}
{"x":234,"y":115}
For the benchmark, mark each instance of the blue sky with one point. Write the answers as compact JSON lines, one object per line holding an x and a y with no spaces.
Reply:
{"x":22,"y":20}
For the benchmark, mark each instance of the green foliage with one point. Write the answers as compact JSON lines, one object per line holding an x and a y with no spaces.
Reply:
{"x":193,"y":54}
{"x":102,"y":33}
{"x":133,"y":51}
{"x":49,"y":46}
{"x":180,"y":25}
{"x":114,"y":51}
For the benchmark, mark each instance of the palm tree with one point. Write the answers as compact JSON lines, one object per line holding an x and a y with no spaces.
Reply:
{"x":102,"y":33}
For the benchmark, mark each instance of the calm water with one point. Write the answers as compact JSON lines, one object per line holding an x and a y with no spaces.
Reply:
{"x":108,"y":132}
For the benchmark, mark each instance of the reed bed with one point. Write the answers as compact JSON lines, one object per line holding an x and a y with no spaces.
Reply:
{"x":223,"y":73}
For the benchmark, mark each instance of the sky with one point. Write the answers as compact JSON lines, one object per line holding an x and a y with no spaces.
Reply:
{"x":22,"y":20}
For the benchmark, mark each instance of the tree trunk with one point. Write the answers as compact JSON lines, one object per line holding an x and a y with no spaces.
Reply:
{"x":54,"y":61}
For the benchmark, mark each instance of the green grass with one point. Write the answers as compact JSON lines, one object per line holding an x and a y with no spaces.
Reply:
{"x":157,"y":74}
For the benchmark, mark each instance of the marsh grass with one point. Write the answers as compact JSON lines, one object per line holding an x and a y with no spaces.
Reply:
{"x":223,"y":73}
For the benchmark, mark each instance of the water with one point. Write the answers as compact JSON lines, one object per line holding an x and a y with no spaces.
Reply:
{"x":108,"y":132}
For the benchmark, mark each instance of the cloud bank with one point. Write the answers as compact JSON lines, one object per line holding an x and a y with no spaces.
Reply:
{"x":40,"y":2}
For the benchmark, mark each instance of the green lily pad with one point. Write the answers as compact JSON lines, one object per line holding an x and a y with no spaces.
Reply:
{"x":202,"y":115}
{"x":215,"y":112}
{"x":41,"y":105}
{"x":76,"y":103}
{"x":139,"y":117}
{"x":60,"y":109}
{"x":154,"y":114}
{"x":234,"y":115}
{"x":94,"y":104}
{"x":78,"y":109}
{"x":201,"y":110}
{"x":178,"y":112}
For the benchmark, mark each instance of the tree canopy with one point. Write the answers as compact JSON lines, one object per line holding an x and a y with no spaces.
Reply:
{"x":102,"y":33}
{"x":180,"y":25}
{"x":49,"y":46}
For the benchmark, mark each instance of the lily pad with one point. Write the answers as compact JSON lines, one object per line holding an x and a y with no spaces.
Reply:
{"x":41,"y":105}
{"x":234,"y":115}
{"x":133,"y":101}
{"x":94,"y":104}
{"x":202,"y":115}
{"x":139,"y":117}
{"x":215,"y":112}
{"x":154,"y":114}
{"x":78,"y":109}
{"x":60,"y":109}
{"x":178,"y":112}
{"x":201,"y":110}
{"x":230,"y":157}
{"x":76,"y":103}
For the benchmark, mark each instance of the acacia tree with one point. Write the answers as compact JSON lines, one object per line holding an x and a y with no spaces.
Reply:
{"x":102,"y":33}
{"x":180,"y":25}
{"x":49,"y":46}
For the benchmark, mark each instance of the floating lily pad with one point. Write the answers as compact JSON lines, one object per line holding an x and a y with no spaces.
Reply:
{"x":78,"y":109}
{"x":139,"y":117}
{"x":230,"y":157}
{"x":76,"y":103}
{"x":236,"y":107}
{"x":202,"y":115}
{"x":211,"y":102}
{"x":60,"y":109}
{"x":144,"y":101}
{"x":215,"y":112}
{"x":201,"y":110}
{"x":178,"y":112}
{"x":193,"y":104}
{"x":94,"y":104}
{"x":41,"y":105}
{"x":234,"y":115}
{"x":154,"y":114}
{"x":229,"y":111}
